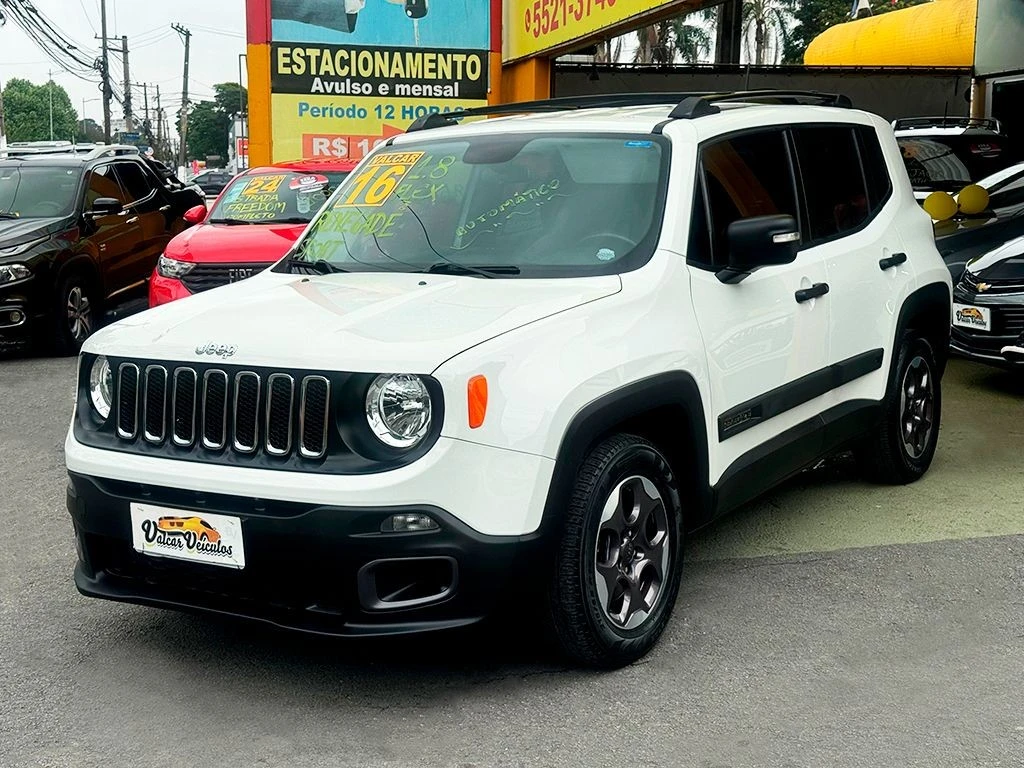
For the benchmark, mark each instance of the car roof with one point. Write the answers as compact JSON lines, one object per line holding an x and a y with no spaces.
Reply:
{"x":734,"y":116}
{"x":322,"y":164}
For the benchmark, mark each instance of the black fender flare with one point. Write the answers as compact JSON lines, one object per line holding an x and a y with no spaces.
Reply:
{"x":80,"y":262}
{"x":928,"y":301}
{"x":674,"y":390}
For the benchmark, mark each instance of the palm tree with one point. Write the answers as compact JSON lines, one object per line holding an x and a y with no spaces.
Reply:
{"x":692,"y":41}
{"x":766,"y":26}
{"x":673,"y":40}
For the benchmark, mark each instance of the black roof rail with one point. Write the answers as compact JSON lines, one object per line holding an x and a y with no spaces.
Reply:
{"x":688,"y":105}
{"x":561,"y":104}
{"x":947,"y":121}
{"x":704,"y":104}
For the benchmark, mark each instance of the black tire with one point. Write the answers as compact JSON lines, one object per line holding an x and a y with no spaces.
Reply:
{"x":580,"y":617}
{"x":67,"y":335}
{"x":886,"y":457}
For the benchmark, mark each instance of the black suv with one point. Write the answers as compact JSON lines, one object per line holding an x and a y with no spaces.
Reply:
{"x":77,"y":231}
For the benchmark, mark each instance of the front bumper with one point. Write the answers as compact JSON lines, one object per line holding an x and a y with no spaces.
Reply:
{"x":164,"y":290}
{"x":20,"y":299}
{"x":316,"y":568}
{"x":1008,"y":329}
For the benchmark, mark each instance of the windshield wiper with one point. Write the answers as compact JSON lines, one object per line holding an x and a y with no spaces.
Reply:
{"x":452,"y":268}
{"x":232,"y":222}
{"x":9,"y":215}
{"x":318,"y":267}
{"x":290,"y":220}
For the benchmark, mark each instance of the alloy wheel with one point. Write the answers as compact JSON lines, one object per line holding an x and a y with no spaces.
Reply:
{"x":79,"y":313}
{"x":633,"y":552}
{"x":917,"y":407}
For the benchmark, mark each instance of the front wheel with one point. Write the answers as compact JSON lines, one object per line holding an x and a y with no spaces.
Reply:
{"x":74,"y":314}
{"x":618,"y":565}
{"x":900,"y":448}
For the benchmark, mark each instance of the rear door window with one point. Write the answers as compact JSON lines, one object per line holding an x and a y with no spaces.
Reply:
{"x":134,"y":180}
{"x":834,"y":185}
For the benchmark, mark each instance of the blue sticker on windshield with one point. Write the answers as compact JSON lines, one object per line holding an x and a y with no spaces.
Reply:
{"x":639,"y":143}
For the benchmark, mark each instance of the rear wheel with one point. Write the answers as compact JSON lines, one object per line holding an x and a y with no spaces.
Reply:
{"x":619,"y":561}
{"x":75,"y":313}
{"x":901,"y":447}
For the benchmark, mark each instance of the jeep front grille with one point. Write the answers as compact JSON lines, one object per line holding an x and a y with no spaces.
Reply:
{"x":246,"y":412}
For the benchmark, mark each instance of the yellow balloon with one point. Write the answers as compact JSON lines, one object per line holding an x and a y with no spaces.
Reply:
{"x":973,"y":199}
{"x":940,"y":206}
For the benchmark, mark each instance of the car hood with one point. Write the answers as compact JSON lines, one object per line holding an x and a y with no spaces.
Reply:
{"x":242,"y":243}
{"x":1003,"y":263}
{"x":360,"y":322}
{"x":14,"y":232}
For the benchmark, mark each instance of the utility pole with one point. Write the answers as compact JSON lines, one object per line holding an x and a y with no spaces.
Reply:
{"x":159,"y":123}
{"x":128,"y":126}
{"x":105,"y":65}
{"x":3,"y":129}
{"x":186,"y":36}
{"x":49,"y":88}
{"x":147,"y":127}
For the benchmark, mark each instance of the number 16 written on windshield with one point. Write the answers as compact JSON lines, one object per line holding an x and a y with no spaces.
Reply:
{"x":381,"y":178}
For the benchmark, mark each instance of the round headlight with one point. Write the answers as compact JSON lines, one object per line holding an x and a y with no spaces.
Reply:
{"x":398,"y":409}
{"x":101,"y":386}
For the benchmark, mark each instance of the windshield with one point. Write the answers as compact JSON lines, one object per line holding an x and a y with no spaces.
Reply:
{"x":497,"y":205}
{"x":281,"y":197}
{"x":949,"y":163}
{"x":36,"y":192}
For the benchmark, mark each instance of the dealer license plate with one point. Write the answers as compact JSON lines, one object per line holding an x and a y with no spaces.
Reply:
{"x":977,"y":318}
{"x":201,"y":538}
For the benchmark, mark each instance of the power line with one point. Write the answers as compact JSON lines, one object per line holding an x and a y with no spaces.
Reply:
{"x":86,"y":14}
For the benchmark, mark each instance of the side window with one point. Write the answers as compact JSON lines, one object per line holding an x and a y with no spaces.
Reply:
{"x":103,"y":183}
{"x":134,"y":180}
{"x":747,"y":175}
{"x":837,"y":198}
{"x":876,"y":172}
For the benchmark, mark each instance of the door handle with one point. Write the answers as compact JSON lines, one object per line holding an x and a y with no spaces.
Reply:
{"x":164,"y":208}
{"x":132,"y":220}
{"x":892,"y":261}
{"x":816,"y":290}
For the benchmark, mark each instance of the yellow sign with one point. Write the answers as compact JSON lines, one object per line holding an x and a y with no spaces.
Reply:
{"x":534,"y":26}
{"x":328,"y":127}
{"x":382,"y":176}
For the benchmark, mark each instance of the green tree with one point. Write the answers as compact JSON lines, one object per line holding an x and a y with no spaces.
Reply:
{"x":231,"y":98}
{"x":207,"y":131}
{"x":813,"y":17}
{"x":89,"y":131}
{"x":27,"y":111}
{"x":209,"y":122}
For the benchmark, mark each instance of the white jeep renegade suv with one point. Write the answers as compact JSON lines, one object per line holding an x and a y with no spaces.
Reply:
{"x":519,"y":357}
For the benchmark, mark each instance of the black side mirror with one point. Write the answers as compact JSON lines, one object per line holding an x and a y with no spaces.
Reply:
{"x":759,"y":241}
{"x":106,"y":206}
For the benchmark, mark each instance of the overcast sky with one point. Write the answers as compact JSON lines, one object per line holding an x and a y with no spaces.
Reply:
{"x":218,"y":37}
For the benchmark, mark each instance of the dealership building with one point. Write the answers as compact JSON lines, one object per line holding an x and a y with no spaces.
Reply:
{"x":334,"y":78}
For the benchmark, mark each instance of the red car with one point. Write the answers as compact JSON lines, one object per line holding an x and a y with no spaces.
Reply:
{"x":252,"y":224}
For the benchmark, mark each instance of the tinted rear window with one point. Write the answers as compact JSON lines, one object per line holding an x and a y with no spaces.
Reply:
{"x":951,"y":162}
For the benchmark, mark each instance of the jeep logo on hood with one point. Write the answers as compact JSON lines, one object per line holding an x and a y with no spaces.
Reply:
{"x":219,"y":350}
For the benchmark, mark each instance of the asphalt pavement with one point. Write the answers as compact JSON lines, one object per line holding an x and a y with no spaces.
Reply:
{"x":831,"y":623}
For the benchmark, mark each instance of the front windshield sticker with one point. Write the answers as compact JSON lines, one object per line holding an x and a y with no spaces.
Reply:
{"x":263,"y":185}
{"x":258,"y":199}
{"x":515,"y":205}
{"x":373,"y":187}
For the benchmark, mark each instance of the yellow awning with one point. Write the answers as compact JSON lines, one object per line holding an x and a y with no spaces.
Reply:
{"x":936,"y":34}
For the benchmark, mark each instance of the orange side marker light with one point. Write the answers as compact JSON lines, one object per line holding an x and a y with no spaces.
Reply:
{"x":477,"y":392}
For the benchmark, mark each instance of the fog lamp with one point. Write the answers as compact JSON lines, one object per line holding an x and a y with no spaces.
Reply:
{"x":408,"y":522}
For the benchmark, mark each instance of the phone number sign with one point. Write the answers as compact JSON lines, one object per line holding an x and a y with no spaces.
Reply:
{"x":535,"y":26}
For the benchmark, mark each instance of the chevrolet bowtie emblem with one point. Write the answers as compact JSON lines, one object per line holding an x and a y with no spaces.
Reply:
{"x":982,"y":287}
